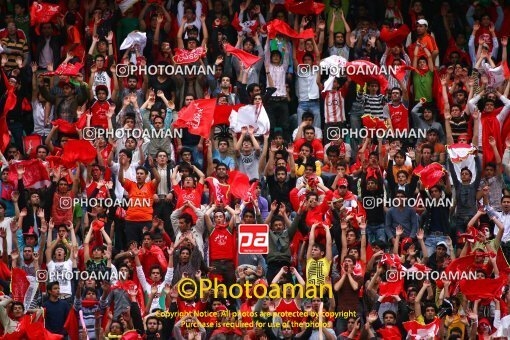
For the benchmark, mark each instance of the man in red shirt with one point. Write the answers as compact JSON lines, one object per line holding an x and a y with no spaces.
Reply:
{"x":141,"y":195}
{"x":309,"y":133}
{"x":397,"y":109}
{"x":190,"y":190}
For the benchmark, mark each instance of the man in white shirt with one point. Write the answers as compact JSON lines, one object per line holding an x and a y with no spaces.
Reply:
{"x":504,"y":217}
{"x":308,"y":92}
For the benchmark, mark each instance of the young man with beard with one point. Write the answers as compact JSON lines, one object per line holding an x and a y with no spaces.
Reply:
{"x":397,"y":108}
{"x":66,"y":103}
{"x":339,"y":43}
{"x":183,"y":224}
{"x":372,"y":189}
{"x":225,"y":89}
{"x":132,"y":88}
{"x":444,"y":254}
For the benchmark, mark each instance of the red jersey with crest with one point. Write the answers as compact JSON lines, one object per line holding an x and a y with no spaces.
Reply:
{"x":399,"y":117}
{"x":189,"y":194}
{"x":222,"y":244}
{"x":99,"y":110}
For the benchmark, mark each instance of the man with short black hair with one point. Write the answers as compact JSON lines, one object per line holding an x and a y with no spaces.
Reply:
{"x":56,"y":310}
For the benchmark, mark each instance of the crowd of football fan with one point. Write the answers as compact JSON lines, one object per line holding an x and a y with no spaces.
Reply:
{"x":108,"y":271}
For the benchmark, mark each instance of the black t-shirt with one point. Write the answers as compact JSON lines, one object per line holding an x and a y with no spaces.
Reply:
{"x":168,"y":86}
{"x":280,"y":193}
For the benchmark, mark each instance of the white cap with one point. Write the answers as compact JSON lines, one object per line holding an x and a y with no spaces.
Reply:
{"x":423,"y":22}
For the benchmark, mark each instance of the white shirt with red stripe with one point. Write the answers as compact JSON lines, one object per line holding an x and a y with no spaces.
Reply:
{"x":334,"y":110}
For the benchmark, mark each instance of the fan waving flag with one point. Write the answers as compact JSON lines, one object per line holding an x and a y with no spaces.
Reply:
{"x":374,"y":123}
{"x":78,"y":151}
{"x":23,"y":287}
{"x":247,"y":59}
{"x":418,"y":331}
{"x":394,"y":37}
{"x":402,"y":71}
{"x":239,"y":184}
{"x":41,"y":13}
{"x":222,"y":113}
{"x":363,"y":71}
{"x":219,"y":193}
{"x":67,"y":69}
{"x":277,"y":26}
{"x":249,"y":26}
{"x":483,"y":288}
{"x":197,"y":117}
{"x":307,"y":7}
{"x":431,"y":174}
{"x":35,"y":177}
{"x":250,"y":115}
{"x":64,"y":126}
{"x":462,"y":156}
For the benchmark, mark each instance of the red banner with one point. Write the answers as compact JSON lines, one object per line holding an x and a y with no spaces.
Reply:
{"x":35,"y":177}
{"x":41,"y":13}
{"x":78,"y":151}
{"x":394,"y":37}
{"x":182,"y":56}
{"x":197,"y":117}
{"x":246,"y":58}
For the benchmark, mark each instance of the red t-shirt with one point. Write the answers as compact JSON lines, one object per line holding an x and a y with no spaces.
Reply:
{"x":399,"y":117}
{"x":222,"y":244}
{"x":189,"y":194}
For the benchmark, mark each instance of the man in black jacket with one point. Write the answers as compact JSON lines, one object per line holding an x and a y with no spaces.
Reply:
{"x":48,"y":47}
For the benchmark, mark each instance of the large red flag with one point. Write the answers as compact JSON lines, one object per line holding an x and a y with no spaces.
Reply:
{"x":307,"y":7}
{"x":278,"y":26}
{"x":239,"y":184}
{"x":37,"y":331}
{"x":35,"y":177}
{"x":363,"y":71}
{"x":10,"y":103}
{"x":222,"y":113}
{"x":19,"y":284}
{"x":394,"y":37}
{"x":401,"y":72}
{"x":388,"y":289}
{"x":431,"y":174}
{"x":182,"y":56}
{"x":428,"y":331}
{"x":152,"y":256}
{"x":249,"y":26}
{"x":197,"y":117}
{"x":218,"y":193}
{"x":78,"y":151}
{"x":41,"y":13}
{"x":483,"y":288}
{"x":247,"y":59}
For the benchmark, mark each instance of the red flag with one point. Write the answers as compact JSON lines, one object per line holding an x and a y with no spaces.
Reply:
{"x":362,"y":71}
{"x":41,"y":13}
{"x":71,"y":325}
{"x":130,"y":335}
{"x":388,"y":289}
{"x":392,"y":260}
{"x":390,"y":332}
{"x":437,"y":91}
{"x":394,"y":37}
{"x":249,"y":26}
{"x":415,"y":329}
{"x":277,"y":26}
{"x":483,"y":288}
{"x":491,"y":127}
{"x":431,"y":174}
{"x":78,"y":151}
{"x":67,"y":69}
{"x":239,"y":183}
{"x":222,"y":113}
{"x":10,"y":103}
{"x":37,"y":331}
{"x":401,"y":72}
{"x":307,"y":7}
{"x":198,"y":117}
{"x":247,"y":59}
{"x":5,"y":272}
{"x":35,"y":177}
{"x":182,"y":56}
{"x":81,"y":123}
{"x":21,"y":329}
{"x":219,"y":193}
{"x":64,"y":126}
{"x":19,"y":284}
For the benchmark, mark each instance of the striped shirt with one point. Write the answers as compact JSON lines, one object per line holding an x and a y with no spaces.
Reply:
{"x":372,"y":104}
{"x":19,"y":45}
{"x":334,"y":111}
